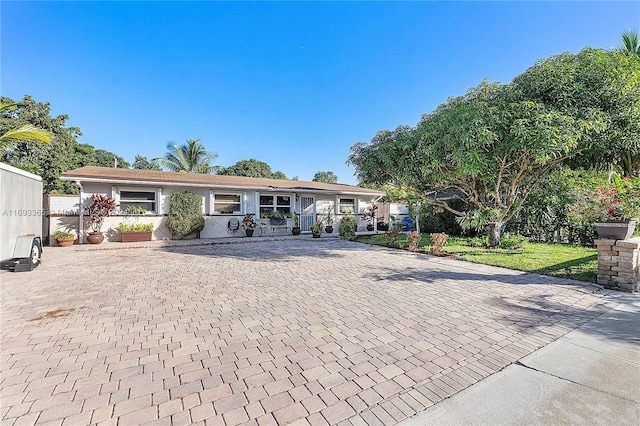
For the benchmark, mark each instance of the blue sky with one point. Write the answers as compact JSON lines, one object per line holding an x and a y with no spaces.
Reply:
{"x":292,"y":84}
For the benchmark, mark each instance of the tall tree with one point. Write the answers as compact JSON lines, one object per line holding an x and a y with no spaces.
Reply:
{"x":109,"y":159}
{"x":492,"y":146}
{"x":326,"y":177}
{"x":191,"y":157}
{"x":25,"y":133}
{"x":252,"y":168}
{"x":142,"y":163}
{"x":48,"y":161}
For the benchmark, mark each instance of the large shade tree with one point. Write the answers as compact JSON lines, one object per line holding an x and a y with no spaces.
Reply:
{"x":191,"y":157}
{"x":493,"y":145}
{"x":252,"y":168}
{"x":326,"y":177}
{"x":47,"y":160}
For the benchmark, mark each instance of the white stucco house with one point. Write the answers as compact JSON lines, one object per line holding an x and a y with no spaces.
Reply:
{"x":224,"y":198}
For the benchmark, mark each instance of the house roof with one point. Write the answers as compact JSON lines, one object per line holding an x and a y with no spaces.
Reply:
{"x":152,"y":177}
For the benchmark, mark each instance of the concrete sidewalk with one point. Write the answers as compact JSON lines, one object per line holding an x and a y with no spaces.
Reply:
{"x":589,"y":376}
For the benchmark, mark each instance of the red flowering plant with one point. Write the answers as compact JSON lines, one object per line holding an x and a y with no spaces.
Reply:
{"x":369,"y":213}
{"x":101,"y":206}
{"x":617,"y":202}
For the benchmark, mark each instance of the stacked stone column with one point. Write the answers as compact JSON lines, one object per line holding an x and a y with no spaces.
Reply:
{"x":619,"y":264}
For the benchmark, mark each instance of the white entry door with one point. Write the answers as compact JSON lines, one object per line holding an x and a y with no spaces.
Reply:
{"x":307,"y":213}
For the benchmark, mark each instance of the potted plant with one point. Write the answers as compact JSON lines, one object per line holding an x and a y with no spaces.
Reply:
{"x":63,"y":238}
{"x":249,"y":224}
{"x":369,"y":215}
{"x":277,"y":219}
{"x":316,"y":229}
{"x":381,"y":225}
{"x":613,"y":210}
{"x":296,"y":224}
{"x":136,"y":210}
{"x":329,"y":215}
{"x":135,"y":232}
{"x":101,"y":207}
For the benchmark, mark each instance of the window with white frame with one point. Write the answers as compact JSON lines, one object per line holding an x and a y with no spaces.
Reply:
{"x":347,"y":206}
{"x":227,"y":203}
{"x":138,"y":198}
{"x":270,"y":204}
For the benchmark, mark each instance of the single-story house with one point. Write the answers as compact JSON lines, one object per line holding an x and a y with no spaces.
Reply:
{"x":224,"y":198}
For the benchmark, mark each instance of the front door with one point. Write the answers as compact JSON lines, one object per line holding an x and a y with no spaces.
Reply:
{"x":307,"y":213}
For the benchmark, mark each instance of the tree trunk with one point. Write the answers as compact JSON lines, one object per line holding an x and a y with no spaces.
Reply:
{"x":495,"y":230}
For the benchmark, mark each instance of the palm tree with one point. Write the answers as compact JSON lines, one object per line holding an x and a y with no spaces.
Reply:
{"x":28,"y":132}
{"x":630,"y":45}
{"x":191,"y":158}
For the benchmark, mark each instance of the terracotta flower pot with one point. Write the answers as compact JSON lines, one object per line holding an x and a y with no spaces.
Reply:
{"x":65,"y":242}
{"x":95,"y":237}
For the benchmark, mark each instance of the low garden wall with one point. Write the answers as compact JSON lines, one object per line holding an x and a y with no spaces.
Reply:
{"x":619,"y":264}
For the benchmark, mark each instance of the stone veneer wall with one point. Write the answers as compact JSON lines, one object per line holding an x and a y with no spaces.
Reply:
{"x":619,"y":264}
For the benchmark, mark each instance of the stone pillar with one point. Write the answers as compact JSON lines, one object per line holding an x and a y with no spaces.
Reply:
{"x":619,"y":264}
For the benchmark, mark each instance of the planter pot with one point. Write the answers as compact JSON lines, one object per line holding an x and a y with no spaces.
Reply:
{"x":277,"y":221}
{"x":370,"y":227}
{"x":616,"y":230}
{"x":134,"y":237}
{"x":249,"y":232}
{"x":295,"y":230}
{"x":95,"y":237}
{"x":315,"y":234}
{"x":65,"y":242}
{"x":383,"y":226}
{"x":328,"y":229}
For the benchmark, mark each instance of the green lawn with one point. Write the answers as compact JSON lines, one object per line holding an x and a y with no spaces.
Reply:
{"x":556,"y":260}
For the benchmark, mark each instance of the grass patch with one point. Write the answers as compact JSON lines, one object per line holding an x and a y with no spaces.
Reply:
{"x":555,"y":260}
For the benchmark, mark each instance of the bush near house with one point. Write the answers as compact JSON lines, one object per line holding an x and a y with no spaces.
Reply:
{"x":185,"y":214}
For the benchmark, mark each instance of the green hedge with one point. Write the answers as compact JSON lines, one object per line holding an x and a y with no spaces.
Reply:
{"x":185,"y":214}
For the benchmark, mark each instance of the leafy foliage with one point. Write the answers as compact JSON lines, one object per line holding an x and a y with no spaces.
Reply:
{"x":133,"y":209}
{"x":185,"y":214}
{"x":317,"y":228}
{"x":63,"y":235}
{"x":347,"y":227}
{"x":326,"y":177}
{"x":512,"y":242}
{"x":142,"y":163}
{"x":436,"y":219}
{"x":27,"y":132}
{"x":492,"y":146}
{"x":630,"y":45}
{"x":439,"y":240}
{"x":49,"y":160}
{"x":192,"y":157}
{"x":101,"y":207}
{"x":248,"y":222}
{"x":413,"y":238}
{"x":252,"y":168}
{"x":135,"y":227}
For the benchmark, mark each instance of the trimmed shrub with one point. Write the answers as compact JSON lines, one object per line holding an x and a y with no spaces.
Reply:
{"x":185,"y":214}
{"x":347,"y":227}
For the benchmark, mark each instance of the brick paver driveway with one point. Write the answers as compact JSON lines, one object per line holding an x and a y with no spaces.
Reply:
{"x":313,"y":332}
